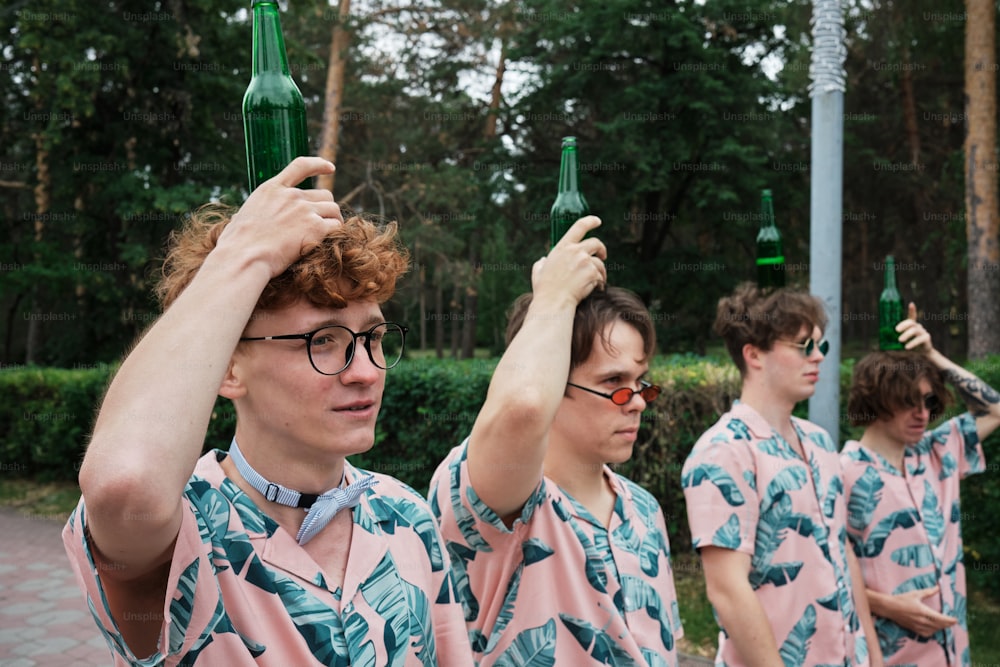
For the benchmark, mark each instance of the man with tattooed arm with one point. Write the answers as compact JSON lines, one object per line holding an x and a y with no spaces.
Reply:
{"x":902,"y":486}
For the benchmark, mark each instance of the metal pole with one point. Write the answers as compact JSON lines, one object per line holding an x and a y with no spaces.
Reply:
{"x":826,"y":73}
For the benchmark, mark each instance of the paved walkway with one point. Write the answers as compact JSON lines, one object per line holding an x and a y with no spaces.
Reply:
{"x":44,"y":621}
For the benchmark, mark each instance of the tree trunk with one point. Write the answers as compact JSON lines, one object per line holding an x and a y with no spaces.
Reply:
{"x":490,"y":131}
{"x":43,"y":196}
{"x":438,"y":321}
{"x":334,"y":98}
{"x":422,"y":294}
{"x":456,"y":325}
{"x":470,"y":311}
{"x":982,"y":226}
{"x":910,"y":111}
{"x":470,"y":302}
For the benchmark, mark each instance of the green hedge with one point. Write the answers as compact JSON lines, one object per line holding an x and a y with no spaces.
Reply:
{"x":429,"y":407}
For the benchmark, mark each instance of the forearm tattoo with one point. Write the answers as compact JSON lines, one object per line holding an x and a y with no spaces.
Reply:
{"x":978,"y":395}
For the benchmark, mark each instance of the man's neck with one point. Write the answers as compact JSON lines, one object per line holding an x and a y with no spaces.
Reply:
{"x":584,"y":481}
{"x":283,"y":464}
{"x":891,"y":450}
{"x":777,"y":413}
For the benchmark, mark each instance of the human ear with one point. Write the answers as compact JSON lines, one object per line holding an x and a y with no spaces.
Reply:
{"x":752,"y":356}
{"x":232,"y":386}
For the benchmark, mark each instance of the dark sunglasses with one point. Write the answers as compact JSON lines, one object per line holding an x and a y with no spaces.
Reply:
{"x":810,"y":345}
{"x":933,"y":404}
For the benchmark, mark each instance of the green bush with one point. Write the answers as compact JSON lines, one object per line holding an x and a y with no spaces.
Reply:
{"x":45,"y":419}
{"x":429,"y":407}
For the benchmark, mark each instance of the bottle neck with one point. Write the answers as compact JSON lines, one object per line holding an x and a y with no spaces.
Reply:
{"x":568,"y":170}
{"x":268,"y":42}
{"x":890,"y":274}
{"x":766,"y":212}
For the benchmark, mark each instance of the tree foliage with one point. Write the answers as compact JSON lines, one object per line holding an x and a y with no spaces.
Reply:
{"x":120,"y":117}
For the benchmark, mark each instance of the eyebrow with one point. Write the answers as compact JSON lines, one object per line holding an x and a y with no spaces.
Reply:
{"x":610,"y":372}
{"x":334,"y":322}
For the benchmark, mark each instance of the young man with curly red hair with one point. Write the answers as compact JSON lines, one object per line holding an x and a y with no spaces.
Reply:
{"x":242,"y":557}
{"x":902,"y":482}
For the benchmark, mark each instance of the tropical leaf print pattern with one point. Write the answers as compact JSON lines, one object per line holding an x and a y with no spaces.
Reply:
{"x":464,"y":517}
{"x":636,"y":594}
{"x":912,"y":531}
{"x":789,"y":479}
{"x":931,"y":515}
{"x":560,"y":586}
{"x":421,"y":629}
{"x":778,"y":448}
{"x":875,"y":542}
{"x":218,"y":595}
{"x":795,"y":648}
{"x":865,"y":497}
{"x":534,"y":647}
{"x":597,"y":642}
{"x":913,"y":555}
{"x":793,"y":513}
{"x":593,"y":565}
{"x":506,"y":614}
{"x":728,"y":535}
{"x":720,"y":478}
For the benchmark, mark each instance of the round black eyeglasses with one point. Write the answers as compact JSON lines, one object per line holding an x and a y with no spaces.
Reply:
{"x":331,"y":348}
{"x":623,"y":395}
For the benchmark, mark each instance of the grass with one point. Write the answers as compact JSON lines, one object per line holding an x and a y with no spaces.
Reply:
{"x":52,"y":500}
{"x":700,"y":631}
{"x":984,"y":619}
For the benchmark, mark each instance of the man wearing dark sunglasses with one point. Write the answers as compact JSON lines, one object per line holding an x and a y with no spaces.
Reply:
{"x":765,"y":501}
{"x":557,"y":559}
{"x":902,"y":482}
{"x":277,"y":551}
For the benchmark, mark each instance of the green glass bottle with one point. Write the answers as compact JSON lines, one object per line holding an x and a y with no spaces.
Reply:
{"x":274,"y":113}
{"x":770,"y":255}
{"x":890,"y":309}
{"x":569,"y":205}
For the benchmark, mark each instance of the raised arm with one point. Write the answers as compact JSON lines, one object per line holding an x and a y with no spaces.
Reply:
{"x":508,"y":441}
{"x":152,"y":423}
{"x":981,"y":399}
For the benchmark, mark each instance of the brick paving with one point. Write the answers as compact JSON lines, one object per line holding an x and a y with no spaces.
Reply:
{"x":44,"y":620}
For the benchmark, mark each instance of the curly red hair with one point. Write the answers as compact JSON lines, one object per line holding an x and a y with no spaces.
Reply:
{"x":357,"y":260}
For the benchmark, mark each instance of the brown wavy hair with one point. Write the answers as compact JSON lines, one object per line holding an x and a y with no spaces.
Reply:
{"x":760,"y":317}
{"x":599,"y":309}
{"x":886,"y":382}
{"x":358,"y":260}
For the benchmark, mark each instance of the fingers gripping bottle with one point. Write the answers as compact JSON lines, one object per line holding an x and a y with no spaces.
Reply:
{"x":569,"y":205}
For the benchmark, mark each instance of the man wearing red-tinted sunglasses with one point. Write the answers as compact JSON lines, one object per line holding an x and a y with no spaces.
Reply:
{"x":553,"y":553}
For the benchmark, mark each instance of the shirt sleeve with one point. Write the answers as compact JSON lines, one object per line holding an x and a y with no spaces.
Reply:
{"x":450,"y":636}
{"x":968,"y":448}
{"x":719,"y":480}
{"x":191,"y":593}
{"x":859,"y":500}
{"x":467,"y":520}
